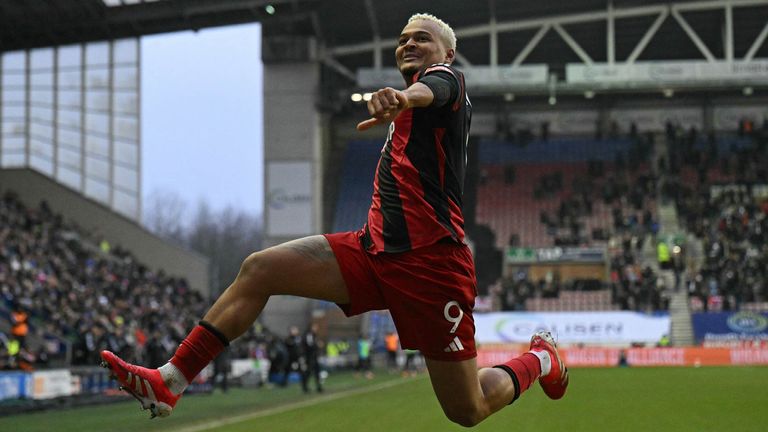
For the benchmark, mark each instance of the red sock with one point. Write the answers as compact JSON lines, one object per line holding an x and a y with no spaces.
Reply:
{"x":524,"y":370}
{"x":199,"y":348}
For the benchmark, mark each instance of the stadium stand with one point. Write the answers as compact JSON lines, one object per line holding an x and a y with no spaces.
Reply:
{"x":81,"y":293}
{"x":356,"y":184}
{"x":564,"y":191}
{"x":726,"y":206}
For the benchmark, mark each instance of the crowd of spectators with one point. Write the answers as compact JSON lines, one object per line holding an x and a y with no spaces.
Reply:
{"x":721,"y":196}
{"x":635,"y":286}
{"x":517,"y":288}
{"x":627,"y":186}
{"x":726,"y":207}
{"x":82,"y":295}
{"x":77,"y":295}
{"x":66,"y":295}
{"x":735,"y":263}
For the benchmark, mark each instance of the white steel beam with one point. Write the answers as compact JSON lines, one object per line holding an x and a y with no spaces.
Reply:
{"x":378,"y":47}
{"x":584,"y":17}
{"x":756,"y":44}
{"x":717,"y":4}
{"x":493,"y":42}
{"x":510,"y":26}
{"x":647,"y":37}
{"x":507,"y":26}
{"x":338,"y":67}
{"x":573,"y":44}
{"x":531,"y":45}
{"x":372,"y":17}
{"x":728,"y":39}
{"x":377,"y":60}
{"x":610,"y":38}
{"x":692,"y":34}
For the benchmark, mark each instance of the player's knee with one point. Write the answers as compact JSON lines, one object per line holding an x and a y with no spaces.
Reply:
{"x":254,"y":269}
{"x":464,"y":416}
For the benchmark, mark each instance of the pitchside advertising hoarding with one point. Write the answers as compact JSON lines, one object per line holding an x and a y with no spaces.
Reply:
{"x":731,"y":328}
{"x":605,"y":328}
{"x":636,"y":357}
{"x":15,"y":385}
{"x":609,"y":339}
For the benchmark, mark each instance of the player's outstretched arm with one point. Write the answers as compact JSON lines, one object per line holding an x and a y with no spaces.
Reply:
{"x":387,"y":103}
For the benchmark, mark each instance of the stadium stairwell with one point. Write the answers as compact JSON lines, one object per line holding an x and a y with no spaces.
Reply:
{"x":680,"y":317}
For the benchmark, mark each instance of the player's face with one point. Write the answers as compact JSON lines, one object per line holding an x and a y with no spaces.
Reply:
{"x":419,"y":46}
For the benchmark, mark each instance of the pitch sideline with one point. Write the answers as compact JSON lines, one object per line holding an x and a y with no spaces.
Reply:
{"x":199,"y":427}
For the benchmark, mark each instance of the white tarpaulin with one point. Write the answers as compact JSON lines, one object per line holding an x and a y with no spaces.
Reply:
{"x":572,"y":327}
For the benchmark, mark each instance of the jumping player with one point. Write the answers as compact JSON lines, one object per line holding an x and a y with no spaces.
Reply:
{"x":409,"y":257}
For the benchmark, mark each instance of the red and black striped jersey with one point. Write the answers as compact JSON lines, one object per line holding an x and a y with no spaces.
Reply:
{"x":419,"y":182}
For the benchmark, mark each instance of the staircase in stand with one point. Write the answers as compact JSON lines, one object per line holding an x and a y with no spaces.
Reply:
{"x":680,"y":316}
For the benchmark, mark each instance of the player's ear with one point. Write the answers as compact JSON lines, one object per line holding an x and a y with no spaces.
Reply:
{"x":450,"y":55}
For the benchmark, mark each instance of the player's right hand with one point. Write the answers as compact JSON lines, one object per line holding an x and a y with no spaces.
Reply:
{"x":384,"y":106}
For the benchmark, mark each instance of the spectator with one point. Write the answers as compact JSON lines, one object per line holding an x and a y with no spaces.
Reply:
{"x":312,"y":346}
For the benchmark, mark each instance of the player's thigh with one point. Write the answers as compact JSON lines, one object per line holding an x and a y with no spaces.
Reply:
{"x":456,"y":385}
{"x":305,"y":267}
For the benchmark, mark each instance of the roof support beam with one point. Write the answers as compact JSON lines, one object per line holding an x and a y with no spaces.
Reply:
{"x":728,"y":39}
{"x":756,"y":44}
{"x":647,"y":37}
{"x":717,"y":4}
{"x":610,"y":38}
{"x":377,"y":60}
{"x":531,"y":45}
{"x":692,"y":34}
{"x":334,"y":64}
{"x":609,"y":14}
{"x":573,"y":44}
{"x":493,"y":36}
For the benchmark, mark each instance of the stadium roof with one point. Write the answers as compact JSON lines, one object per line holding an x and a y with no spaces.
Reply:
{"x":41,"y":23}
{"x":339,"y":23}
{"x":356,"y":34}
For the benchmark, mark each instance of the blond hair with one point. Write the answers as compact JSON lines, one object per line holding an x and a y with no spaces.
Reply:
{"x":446,"y":32}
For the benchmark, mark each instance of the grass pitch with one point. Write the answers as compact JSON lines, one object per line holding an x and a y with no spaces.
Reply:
{"x":642,"y":399}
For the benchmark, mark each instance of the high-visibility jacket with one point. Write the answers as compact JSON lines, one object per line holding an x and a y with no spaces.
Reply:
{"x":390,"y":341}
{"x":20,"y":327}
{"x":663,"y":252}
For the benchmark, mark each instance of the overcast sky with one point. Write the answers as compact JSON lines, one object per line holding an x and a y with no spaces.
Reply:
{"x":202,"y":116}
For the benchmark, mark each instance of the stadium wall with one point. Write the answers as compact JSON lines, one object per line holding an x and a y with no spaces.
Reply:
{"x":151,"y":250}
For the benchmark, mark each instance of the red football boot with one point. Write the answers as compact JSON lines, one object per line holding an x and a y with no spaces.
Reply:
{"x":146,"y":385}
{"x":556,"y":381}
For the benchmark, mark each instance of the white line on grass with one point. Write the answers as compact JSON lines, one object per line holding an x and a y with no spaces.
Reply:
{"x":199,"y":427}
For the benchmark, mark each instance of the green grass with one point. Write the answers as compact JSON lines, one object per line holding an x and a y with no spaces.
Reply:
{"x":651,"y":399}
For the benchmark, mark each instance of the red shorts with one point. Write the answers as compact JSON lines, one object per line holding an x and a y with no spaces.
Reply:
{"x":430,"y":293}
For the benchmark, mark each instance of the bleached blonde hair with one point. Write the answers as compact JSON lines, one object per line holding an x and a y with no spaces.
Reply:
{"x":446,"y":32}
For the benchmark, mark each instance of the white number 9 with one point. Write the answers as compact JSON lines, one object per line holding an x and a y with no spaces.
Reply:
{"x":454,"y":319}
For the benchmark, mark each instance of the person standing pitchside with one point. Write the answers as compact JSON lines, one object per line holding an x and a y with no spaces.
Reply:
{"x":409,"y":257}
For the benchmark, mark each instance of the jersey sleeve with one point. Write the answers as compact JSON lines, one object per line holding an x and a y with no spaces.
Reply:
{"x":443,"y":83}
